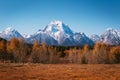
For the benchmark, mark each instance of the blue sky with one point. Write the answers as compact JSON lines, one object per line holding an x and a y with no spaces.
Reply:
{"x":88,"y":16}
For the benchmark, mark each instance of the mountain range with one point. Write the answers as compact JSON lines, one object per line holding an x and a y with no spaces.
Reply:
{"x":58,"y":33}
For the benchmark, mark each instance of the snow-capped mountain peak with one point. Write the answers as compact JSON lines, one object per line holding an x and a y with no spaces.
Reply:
{"x":94,"y":38}
{"x":59,"y":31}
{"x":8,"y":30}
{"x":81,"y":39}
{"x":59,"y":23}
{"x":111,"y":30}
{"x":54,"y":26}
{"x":10,"y":33}
{"x":111,"y":36}
{"x":57,"y":26}
{"x":39,"y":31}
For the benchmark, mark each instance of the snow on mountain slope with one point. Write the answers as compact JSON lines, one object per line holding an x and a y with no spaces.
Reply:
{"x":81,"y":39}
{"x":59,"y":31}
{"x":10,"y":33}
{"x":26,"y":36}
{"x":42,"y":37}
{"x":95,"y":38}
{"x":119,"y":34}
{"x":111,"y":37}
{"x":58,"y":26}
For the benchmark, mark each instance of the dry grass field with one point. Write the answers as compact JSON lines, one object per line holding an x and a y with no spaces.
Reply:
{"x":59,"y":71}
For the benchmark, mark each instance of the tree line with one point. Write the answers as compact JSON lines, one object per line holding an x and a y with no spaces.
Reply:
{"x":18,"y":51}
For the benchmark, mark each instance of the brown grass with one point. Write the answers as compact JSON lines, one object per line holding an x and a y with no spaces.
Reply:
{"x":59,"y":71}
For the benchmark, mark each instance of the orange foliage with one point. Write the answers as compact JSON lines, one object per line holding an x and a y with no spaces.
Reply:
{"x":2,"y":46}
{"x":115,"y":54}
{"x":14,"y":43}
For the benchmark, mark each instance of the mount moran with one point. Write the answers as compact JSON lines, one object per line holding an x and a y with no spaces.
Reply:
{"x":58,"y":33}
